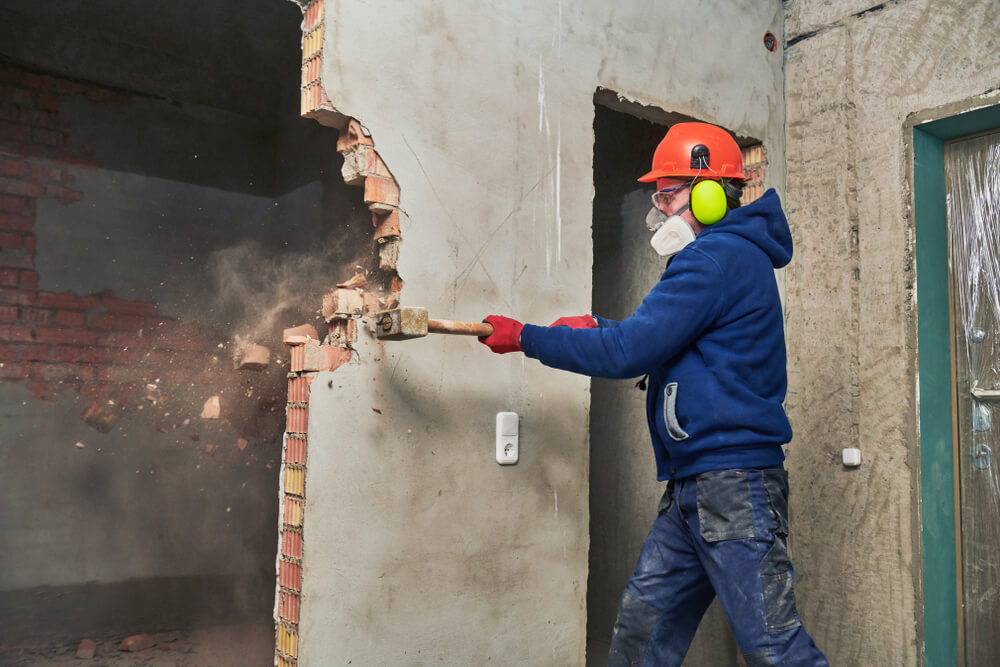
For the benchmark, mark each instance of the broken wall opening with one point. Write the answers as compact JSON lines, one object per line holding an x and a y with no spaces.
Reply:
{"x":623,"y":488}
{"x":158,"y":213}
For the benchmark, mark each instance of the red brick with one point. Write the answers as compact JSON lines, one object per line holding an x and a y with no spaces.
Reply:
{"x":63,"y":194}
{"x":293,"y":335}
{"x":67,"y":353}
{"x":64,"y":372}
{"x":291,"y":544}
{"x":117,"y":339}
{"x":16,"y":222}
{"x":37,"y":81}
{"x":8,"y":111}
{"x":8,"y":352}
{"x":15,"y":334}
{"x":381,"y":191}
{"x":69,"y":318}
{"x":295,"y":450}
{"x":41,"y":135}
{"x":20,"y":97}
{"x":8,"y":313}
{"x":115,"y":305}
{"x":11,"y":204}
{"x":8,"y":240}
{"x":15,"y":132}
{"x":315,"y":357}
{"x":15,"y":370}
{"x":37,"y":118}
{"x":97,"y":355}
{"x":29,"y":242}
{"x":16,"y":259}
{"x":130,"y":322}
{"x":36,"y":316}
{"x":67,"y":301}
{"x":48,"y":102}
{"x":32,"y":352}
{"x":9,"y":278}
{"x":298,"y":389}
{"x":10,"y":166}
{"x":42,"y":174}
{"x":66,"y":336}
{"x":386,"y":225}
{"x":290,"y":575}
{"x":351,"y":136}
{"x":29,"y":279}
{"x":18,"y":297}
{"x":100,"y":321}
{"x":10,"y":75}
{"x":21,"y":188}
{"x":288,"y":606}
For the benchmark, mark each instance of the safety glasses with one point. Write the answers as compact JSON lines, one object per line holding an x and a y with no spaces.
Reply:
{"x":658,"y":201}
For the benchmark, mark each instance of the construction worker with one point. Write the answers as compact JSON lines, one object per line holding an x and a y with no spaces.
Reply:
{"x":710,"y":340}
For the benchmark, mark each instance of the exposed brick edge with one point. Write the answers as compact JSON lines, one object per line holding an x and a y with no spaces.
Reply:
{"x":342,"y":309}
{"x":754,"y":161}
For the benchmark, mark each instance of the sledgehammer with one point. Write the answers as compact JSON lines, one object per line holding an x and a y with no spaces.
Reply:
{"x":407,"y":323}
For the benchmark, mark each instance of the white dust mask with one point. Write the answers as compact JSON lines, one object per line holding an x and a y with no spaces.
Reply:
{"x":672,"y":234}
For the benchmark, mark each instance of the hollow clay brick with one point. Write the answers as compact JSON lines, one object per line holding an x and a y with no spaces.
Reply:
{"x":252,"y":357}
{"x":297,"y":335}
{"x":351,"y":136}
{"x":342,"y":303}
{"x":386,"y":224}
{"x":381,"y":191}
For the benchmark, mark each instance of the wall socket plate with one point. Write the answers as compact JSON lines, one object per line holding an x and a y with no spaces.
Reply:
{"x":507,"y":445}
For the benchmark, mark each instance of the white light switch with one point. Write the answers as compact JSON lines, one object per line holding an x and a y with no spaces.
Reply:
{"x":507,"y":438}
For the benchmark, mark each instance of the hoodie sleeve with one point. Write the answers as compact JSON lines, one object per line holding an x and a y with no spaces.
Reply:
{"x":684,"y":303}
{"x":605,"y":322}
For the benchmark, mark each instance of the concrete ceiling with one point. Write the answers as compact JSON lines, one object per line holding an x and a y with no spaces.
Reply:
{"x":238,"y":55}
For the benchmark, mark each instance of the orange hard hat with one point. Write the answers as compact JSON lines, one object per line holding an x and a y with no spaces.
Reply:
{"x":696,"y":150}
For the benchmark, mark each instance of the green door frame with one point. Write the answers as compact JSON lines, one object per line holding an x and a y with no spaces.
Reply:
{"x":937,"y":464}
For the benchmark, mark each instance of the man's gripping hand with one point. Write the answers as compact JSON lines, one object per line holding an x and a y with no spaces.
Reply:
{"x":506,"y":336}
{"x":576,"y":322}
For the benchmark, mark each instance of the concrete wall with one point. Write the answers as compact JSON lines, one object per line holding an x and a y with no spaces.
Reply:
{"x":852,"y":78}
{"x":418,"y":546}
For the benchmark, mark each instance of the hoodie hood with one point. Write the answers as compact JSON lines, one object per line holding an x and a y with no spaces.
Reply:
{"x":761,"y":222}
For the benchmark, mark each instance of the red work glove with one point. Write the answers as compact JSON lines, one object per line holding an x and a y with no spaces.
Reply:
{"x":506,"y":336}
{"x":577,"y":322}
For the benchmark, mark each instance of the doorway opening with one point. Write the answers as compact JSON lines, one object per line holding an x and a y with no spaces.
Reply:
{"x":623,"y":489}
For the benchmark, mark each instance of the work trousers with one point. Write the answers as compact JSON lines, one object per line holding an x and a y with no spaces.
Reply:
{"x":719,"y":533}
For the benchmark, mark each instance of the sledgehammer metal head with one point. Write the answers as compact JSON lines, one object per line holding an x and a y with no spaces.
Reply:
{"x":401,"y":323}
{"x":412,"y":322}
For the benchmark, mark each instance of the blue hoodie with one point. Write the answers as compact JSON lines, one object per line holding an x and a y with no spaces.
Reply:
{"x":710,"y":336}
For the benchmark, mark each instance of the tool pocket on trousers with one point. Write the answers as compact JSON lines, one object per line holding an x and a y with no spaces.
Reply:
{"x":724,"y":509}
{"x":674,"y":429}
{"x":776,"y":577}
{"x":776,"y":486}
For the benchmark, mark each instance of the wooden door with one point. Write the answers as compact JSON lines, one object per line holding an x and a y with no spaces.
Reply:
{"x":973,"y":186}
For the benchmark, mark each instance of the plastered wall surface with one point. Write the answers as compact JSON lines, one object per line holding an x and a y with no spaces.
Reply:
{"x":851,"y":82}
{"x":419,"y":548}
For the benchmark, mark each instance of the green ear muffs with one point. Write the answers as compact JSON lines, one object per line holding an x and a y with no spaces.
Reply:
{"x":708,"y":202}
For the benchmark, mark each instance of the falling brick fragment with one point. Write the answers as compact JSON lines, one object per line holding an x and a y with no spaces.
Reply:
{"x":80,"y":445}
{"x":137,"y":643}
{"x":252,"y":358}
{"x":99,"y":417}
{"x":241,"y":443}
{"x":212,"y":408}
{"x":376,"y":410}
{"x":86,"y":649}
{"x":357,"y":281}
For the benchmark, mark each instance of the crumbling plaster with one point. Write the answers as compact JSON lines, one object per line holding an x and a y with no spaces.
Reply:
{"x":852,"y":79}
{"x":418,"y":546}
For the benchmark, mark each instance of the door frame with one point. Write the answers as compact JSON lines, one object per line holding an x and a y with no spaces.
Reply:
{"x":938,"y":486}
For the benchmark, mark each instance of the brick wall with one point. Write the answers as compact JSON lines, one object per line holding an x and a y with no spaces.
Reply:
{"x":351,"y":304}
